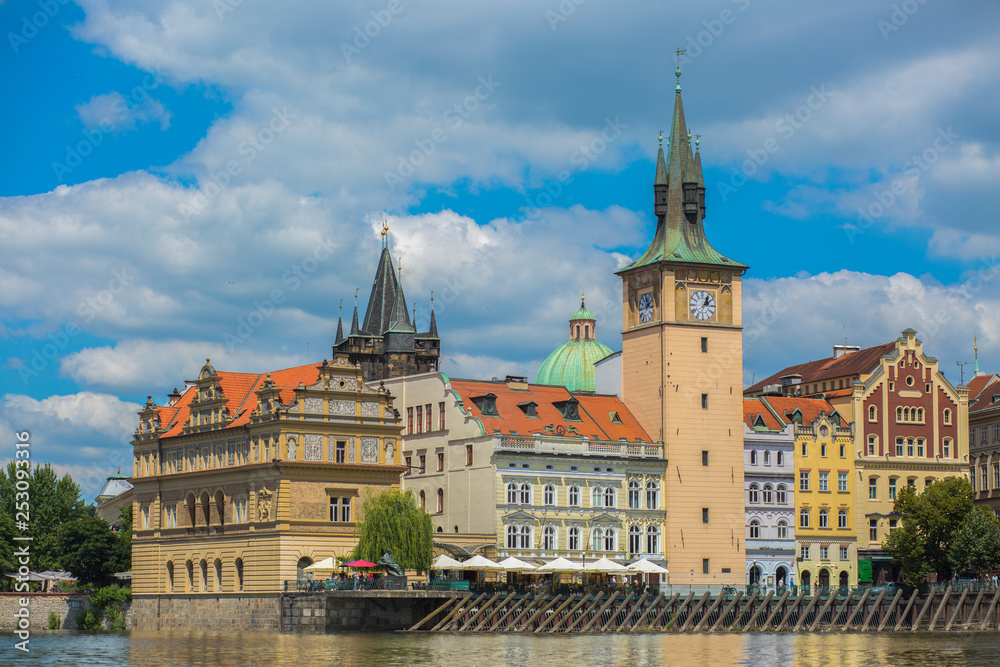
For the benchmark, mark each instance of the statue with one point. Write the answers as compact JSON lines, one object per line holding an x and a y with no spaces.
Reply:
{"x":392,"y":568}
{"x":264,"y":505}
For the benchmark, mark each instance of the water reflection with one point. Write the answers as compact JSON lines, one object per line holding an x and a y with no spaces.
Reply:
{"x":204,"y":649}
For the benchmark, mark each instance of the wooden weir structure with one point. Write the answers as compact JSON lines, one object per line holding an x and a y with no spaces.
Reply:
{"x":838,"y":610}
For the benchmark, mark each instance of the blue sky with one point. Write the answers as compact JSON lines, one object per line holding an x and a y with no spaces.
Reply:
{"x":168,"y":165}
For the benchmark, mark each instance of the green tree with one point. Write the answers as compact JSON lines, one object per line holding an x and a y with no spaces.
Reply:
{"x":930,"y":522}
{"x":123,"y":544}
{"x":88,"y":550}
{"x":392,"y":521}
{"x":976,"y":546}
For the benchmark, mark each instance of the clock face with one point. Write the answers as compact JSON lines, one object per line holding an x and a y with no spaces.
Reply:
{"x":646,"y":307}
{"x":702,"y":305}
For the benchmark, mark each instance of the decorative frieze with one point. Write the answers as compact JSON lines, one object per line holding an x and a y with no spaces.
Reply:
{"x":313,"y":447}
{"x":369,"y":450}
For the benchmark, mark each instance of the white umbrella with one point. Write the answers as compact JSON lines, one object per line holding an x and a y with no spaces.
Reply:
{"x":604,"y":565}
{"x":647,"y":567}
{"x":445,"y":562}
{"x":478,"y":562}
{"x":325,"y":565}
{"x":560,"y":565}
{"x":515,"y":565}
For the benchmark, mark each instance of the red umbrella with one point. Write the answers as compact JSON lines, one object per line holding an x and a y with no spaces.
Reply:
{"x":359,"y":563}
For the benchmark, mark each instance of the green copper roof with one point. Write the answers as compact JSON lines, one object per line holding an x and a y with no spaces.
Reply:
{"x":571,"y":365}
{"x":582,"y":314}
{"x":679,"y":238}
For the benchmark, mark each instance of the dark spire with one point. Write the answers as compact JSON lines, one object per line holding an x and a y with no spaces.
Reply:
{"x":355,"y":329}
{"x":433,"y":331}
{"x":698,"y":177}
{"x":660,"y":183}
{"x":340,"y":331}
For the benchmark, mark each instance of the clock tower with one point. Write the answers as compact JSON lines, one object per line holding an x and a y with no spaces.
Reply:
{"x":682,"y":368}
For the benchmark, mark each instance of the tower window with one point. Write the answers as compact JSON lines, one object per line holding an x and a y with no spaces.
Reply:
{"x":586,"y":331}
{"x":704,"y":401}
{"x":704,"y":345}
{"x":704,"y":457}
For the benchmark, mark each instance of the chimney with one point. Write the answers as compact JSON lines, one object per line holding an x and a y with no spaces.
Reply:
{"x":841,"y":350}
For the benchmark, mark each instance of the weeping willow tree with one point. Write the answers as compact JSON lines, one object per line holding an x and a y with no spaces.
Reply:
{"x":392,"y":521}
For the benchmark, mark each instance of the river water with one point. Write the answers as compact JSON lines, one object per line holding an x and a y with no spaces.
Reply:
{"x":206,"y":649}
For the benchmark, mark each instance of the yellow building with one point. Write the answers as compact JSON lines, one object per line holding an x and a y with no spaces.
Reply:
{"x":244,"y":479}
{"x":682,"y":369}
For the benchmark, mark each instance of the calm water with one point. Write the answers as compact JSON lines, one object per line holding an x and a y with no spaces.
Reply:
{"x":235,"y":650}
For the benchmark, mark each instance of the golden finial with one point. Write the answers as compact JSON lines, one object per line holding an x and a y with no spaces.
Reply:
{"x":385,"y":227}
{"x":697,"y":140}
{"x":581,"y":299}
{"x":661,"y":137}
{"x":432,"y":299}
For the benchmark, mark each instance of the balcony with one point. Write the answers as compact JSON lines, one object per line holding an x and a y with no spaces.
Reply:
{"x":539,"y":444}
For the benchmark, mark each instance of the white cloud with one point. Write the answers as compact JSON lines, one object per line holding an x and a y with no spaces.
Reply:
{"x":112,"y":113}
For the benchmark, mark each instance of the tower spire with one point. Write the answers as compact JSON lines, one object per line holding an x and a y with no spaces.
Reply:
{"x":975,"y":349}
{"x":340,"y":325}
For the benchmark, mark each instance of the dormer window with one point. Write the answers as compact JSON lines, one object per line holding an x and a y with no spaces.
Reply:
{"x":529,"y":408}
{"x":487,"y":404}
{"x":570,"y":409}
{"x":615,"y":418}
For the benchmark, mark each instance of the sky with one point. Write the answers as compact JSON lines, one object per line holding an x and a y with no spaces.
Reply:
{"x":187,"y":179}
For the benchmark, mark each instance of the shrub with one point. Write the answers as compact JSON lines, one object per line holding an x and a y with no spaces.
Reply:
{"x":53,"y":622}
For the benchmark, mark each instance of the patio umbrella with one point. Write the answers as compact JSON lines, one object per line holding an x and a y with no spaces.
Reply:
{"x":445,"y":562}
{"x":325,"y":565}
{"x":478,"y":562}
{"x":515,"y":565}
{"x":646,"y":567}
{"x":560,"y":565}
{"x":604,"y":565}
{"x":360,"y":563}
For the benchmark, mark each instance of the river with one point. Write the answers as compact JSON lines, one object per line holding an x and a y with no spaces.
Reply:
{"x":211,"y":649}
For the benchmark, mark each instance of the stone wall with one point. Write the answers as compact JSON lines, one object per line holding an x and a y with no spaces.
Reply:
{"x":39,"y":606}
{"x":357,"y":611}
{"x":257,"y":611}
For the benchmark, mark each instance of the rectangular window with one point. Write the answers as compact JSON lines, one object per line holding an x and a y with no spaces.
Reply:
{"x":803,"y":480}
{"x":982,"y":434}
{"x":920,"y":446}
{"x":704,"y":345}
{"x":824,"y":553}
{"x":805,"y":450}
{"x":409,"y":421}
{"x":842,"y":519}
{"x":946,"y":448}
{"x":704,"y":515}
{"x":873,"y":488}
{"x":704,"y":457}
{"x":822,"y":450}
{"x":704,"y":566}
{"x":892,"y":489}
{"x":842,"y":481}
{"x":145,"y":517}
{"x":420,"y":418}
{"x":899,"y":446}
{"x":441,"y":415}
{"x":440,"y":461}
{"x":996,"y":431}
{"x":873,"y":530}
{"x":824,"y":481}
{"x":345,"y":510}
{"x":423,"y":463}
{"x":843,"y":553}
{"x":428,"y":416}
{"x":996,"y":475}
{"x":804,"y":552}
{"x":843,"y":450}
{"x":408,"y":462}
{"x":909,"y":447}
{"x":984,"y":477}
{"x":334,"y":508}
{"x":704,"y":401}
{"x":341,"y":452}
{"x":468,"y":455}
{"x":892,"y":525}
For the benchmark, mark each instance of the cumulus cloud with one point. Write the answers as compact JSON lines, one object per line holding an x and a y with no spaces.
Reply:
{"x":112,"y":113}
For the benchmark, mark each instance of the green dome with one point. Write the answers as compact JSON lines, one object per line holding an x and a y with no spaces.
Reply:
{"x":582,"y":314}
{"x":571,"y":365}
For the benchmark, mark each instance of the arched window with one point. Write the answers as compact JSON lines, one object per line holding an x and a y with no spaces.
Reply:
{"x":824,"y":519}
{"x":652,"y":540}
{"x":842,"y":519}
{"x":899,"y":414}
{"x":218,"y":575}
{"x":754,"y":493}
{"x":548,"y":538}
{"x":920,"y":414}
{"x":804,"y":518}
{"x":192,"y":506}
{"x":423,"y":500}
{"x":598,"y":539}
{"x":767,"y":495}
{"x":574,"y":539}
{"x":586,"y":331}
{"x":203,"y":578}
{"x":652,"y":495}
{"x":189,"y":566}
{"x":634,"y":539}
{"x":872,"y":413}
{"x":220,"y":507}
{"x":526,"y":494}
{"x":574,"y":496}
{"x":947,"y":417}
{"x":170,"y":576}
{"x":782,"y":530}
{"x":597,"y":497}
{"x":767,"y":457}
{"x":780,"y":493}
{"x":609,"y":496}
{"x":753,"y":457}
{"x":633,"y":494}
{"x":440,"y":500}
{"x":550,"y":494}
{"x":872,"y":442}
{"x":525,"y":537}
{"x":577,"y":330}
{"x":609,"y":539}
{"x":781,"y":458}
{"x":511,"y":537}
{"x":239,"y":574}
{"x":511,"y":493}
{"x":754,"y":529}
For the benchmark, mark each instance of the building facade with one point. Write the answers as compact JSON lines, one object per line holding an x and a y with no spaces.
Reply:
{"x":682,"y":368}
{"x":242,"y":480}
{"x":769,"y":476}
{"x":984,"y":440}
{"x":509,"y":468}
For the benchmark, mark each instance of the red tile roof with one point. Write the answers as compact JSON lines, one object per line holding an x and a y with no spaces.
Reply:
{"x":982,"y":388}
{"x":809,"y":407}
{"x":852,"y":363}
{"x":240,"y":390}
{"x":754,"y":408}
{"x":595,"y":411}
